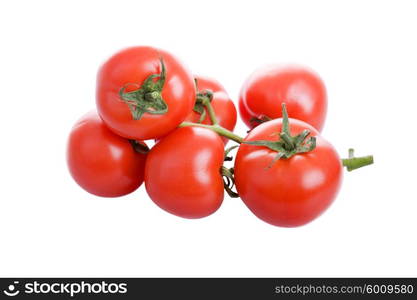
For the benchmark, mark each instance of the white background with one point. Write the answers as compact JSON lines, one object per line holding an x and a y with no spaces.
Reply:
{"x":50,"y":51}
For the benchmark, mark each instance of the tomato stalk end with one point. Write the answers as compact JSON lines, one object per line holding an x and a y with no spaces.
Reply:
{"x":352,"y":163}
{"x":288,"y":145}
{"x":147,"y":98}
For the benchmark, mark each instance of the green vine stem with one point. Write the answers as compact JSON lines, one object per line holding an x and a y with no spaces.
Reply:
{"x":229,"y":181}
{"x":286,"y":147}
{"x":228,"y":174}
{"x":211,"y":112}
{"x":227,"y":152}
{"x":352,"y":163}
{"x":203,"y":103}
{"x":205,"y":99}
{"x":216,"y":128}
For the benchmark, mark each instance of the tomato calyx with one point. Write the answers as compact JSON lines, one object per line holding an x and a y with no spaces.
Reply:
{"x":287,"y":145}
{"x":147,"y":97}
{"x":259,"y":120}
{"x":202,"y":98}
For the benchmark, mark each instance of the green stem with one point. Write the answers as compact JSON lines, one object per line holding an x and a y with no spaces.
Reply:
{"x":287,"y":145}
{"x":287,"y":140}
{"x":211,"y":112}
{"x":216,"y":128}
{"x":353,"y":163}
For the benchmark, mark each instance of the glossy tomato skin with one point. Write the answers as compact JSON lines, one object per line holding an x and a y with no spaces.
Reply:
{"x":245,"y":115}
{"x":291,"y":192}
{"x":132,"y":66}
{"x":101,"y":162}
{"x":300,"y":88}
{"x":182,"y":172}
{"x":222,"y":104}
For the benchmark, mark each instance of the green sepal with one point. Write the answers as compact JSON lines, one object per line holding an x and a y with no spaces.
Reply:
{"x":147,"y":98}
{"x":287,"y":145}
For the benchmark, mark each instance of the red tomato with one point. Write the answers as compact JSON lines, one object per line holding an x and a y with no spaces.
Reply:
{"x":102,"y":162}
{"x":222,"y":104}
{"x":298,"y":87}
{"x":245,"y":115}
{"x":182,"y":172}
{"x":288,"y":192}
{"x":129,"y":69}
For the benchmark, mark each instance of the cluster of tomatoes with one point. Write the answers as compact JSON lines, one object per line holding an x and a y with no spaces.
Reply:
{"x":284,"y":171}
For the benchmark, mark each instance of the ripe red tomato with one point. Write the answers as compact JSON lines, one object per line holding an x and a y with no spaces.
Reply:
{"x":222,"y":105}
{"x":102,"y":162}
{"x":167,"y":98}
{"x":290,"y":191}
{"x":298,"y":87}
{"x":182,"y":172}
{"x":245,"y":115}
